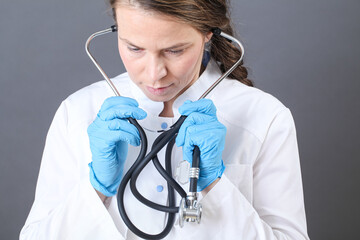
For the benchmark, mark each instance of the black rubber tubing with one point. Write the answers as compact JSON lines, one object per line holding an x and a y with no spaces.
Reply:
{"x":195,"y":164}
{"x":141,"y":161}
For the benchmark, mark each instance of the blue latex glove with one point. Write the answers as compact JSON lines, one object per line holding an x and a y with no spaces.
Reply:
{"x":109,"y":136}
{"x":201,"y":128}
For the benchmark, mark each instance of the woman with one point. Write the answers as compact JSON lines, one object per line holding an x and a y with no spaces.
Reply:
{"x":250,"y":179}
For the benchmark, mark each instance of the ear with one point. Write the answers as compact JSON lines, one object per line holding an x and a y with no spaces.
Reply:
{"x":208,"y":36}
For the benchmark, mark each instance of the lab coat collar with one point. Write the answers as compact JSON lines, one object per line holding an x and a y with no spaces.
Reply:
{"x":153,"y":122}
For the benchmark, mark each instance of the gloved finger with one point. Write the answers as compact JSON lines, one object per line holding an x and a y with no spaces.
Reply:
{"x":118,"y":101}
{"x":124,"y":125}
{"x":209,"y":138}
{"x":203,"y":105}
{"x":194,"y":118}
{"x":122,"y":111}
{"x":114,"y":136}
{"x":104,"y":156}
{"x":100,"y":129}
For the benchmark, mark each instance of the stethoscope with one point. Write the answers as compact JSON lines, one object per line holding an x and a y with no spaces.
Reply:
{"x":190,"y":209}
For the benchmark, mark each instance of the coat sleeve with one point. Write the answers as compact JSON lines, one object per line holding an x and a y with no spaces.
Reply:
{"x":65,"y":206}
{"x":277,"y":210}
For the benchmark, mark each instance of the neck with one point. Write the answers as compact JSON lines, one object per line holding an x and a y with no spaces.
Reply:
{"x":167,"y":110}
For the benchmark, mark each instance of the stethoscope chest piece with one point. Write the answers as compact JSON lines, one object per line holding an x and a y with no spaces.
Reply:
{"x":190,"y":209}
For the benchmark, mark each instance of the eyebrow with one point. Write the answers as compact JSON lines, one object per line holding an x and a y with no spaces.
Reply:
{"x":178,"y":45}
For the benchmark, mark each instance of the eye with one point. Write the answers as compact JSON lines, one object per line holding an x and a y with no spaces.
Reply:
{"x":175,"y":52}
{"x":134,"y":49}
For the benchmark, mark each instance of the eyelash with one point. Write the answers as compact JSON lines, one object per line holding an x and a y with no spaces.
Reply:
{"x":133,"y":49}
{"x":173,"y":52}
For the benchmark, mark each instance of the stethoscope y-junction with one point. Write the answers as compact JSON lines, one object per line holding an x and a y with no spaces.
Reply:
{"x":190,"y":209}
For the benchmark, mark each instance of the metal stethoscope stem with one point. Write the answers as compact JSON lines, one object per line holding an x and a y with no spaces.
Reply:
{"x":189,"y":210}
{"x":87,"y":45}
{"x":233,"y":67}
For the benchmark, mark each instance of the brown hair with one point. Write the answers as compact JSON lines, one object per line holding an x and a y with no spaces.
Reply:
{"x":203,"y":15}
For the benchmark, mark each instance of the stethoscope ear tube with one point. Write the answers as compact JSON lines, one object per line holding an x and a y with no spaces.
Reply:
{"x":97,"y":65}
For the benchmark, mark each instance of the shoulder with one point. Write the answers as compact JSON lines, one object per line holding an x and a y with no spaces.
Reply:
{"x":84,"y":104}
{"x":247,"y":107}
{"x":97,"y":90}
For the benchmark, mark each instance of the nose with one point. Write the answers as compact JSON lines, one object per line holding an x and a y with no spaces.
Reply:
{"x":156,"y":68}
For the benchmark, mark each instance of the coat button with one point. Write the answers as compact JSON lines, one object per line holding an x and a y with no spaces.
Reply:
{"x":164,"y":125}
{"x":159,"y":188}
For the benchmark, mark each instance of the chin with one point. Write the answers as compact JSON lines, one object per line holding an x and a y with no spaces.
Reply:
{"x":158,"y":98}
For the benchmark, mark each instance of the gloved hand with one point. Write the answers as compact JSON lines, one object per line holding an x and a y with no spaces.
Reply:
{"x":201,"y":128}
{"x":109,"y":136}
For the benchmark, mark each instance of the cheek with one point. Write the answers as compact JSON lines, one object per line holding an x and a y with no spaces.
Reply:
{"x":189,"y":67}
{"x":130,"y":65}
{"x":125,"y":59}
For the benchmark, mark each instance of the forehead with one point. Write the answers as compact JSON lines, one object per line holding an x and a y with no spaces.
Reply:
{"x":141,"y":26}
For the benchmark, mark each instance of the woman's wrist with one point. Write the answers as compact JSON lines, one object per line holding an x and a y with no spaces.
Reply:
{"x":208,"y":188}
{"x":105,"y":200}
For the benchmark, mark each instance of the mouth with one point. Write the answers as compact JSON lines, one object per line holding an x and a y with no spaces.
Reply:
{"x":158,"y":91}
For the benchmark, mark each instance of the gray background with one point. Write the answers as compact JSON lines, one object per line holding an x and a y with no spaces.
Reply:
{"x":306,"y":53}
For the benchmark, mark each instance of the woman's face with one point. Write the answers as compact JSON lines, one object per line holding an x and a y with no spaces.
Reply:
{"x":162,"y":56}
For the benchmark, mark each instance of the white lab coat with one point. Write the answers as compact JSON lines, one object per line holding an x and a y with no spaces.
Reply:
{"x":258,"y":197}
